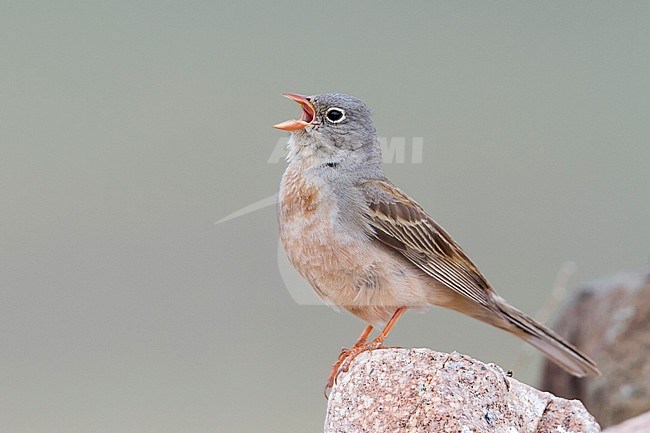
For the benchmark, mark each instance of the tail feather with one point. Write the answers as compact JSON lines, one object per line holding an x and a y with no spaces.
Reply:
{"x":556,"y":348}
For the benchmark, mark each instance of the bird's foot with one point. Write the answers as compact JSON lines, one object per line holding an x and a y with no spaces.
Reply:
{"x":345,"y":359}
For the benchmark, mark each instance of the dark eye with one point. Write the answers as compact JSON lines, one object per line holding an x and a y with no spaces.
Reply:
{"x":335,"y":115}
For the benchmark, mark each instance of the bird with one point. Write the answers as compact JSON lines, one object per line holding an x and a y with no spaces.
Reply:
{"x":367,"y":247}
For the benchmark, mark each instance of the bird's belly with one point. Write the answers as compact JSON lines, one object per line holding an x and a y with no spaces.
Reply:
{"x":349,"y":269}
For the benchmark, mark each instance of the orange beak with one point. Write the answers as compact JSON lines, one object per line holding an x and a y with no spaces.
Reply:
{"x":308,"y":114}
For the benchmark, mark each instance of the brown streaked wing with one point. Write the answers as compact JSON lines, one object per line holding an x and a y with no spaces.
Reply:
{"x":400,"y":223}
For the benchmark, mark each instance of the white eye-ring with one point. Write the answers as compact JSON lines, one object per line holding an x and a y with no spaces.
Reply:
{"x":335,"y":115}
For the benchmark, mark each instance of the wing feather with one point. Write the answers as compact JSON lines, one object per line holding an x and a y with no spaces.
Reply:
{"x":401,"y":224}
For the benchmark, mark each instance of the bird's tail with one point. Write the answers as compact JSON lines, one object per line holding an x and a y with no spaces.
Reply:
{"x":556,"y":348}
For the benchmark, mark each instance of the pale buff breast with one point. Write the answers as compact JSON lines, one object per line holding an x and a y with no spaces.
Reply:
{"x":344,"y":266}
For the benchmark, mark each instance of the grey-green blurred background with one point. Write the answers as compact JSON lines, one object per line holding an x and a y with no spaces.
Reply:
{"x":127,"y":128}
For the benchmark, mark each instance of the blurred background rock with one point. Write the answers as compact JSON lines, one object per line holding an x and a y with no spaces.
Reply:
{"x":610,"y":320}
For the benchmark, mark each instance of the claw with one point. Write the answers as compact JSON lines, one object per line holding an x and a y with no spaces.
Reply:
{"x":342,"y":364}
{"x":327,"y":391}
{"x":346,"y":356}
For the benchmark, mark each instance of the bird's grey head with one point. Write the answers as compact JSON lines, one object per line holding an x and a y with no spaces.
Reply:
{"x":334,"y":128}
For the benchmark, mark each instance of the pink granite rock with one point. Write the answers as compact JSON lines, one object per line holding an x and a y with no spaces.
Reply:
{"x":419,"y":390}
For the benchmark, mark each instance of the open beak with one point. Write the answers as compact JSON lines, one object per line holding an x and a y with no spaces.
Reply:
{"x":308,"y":114}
